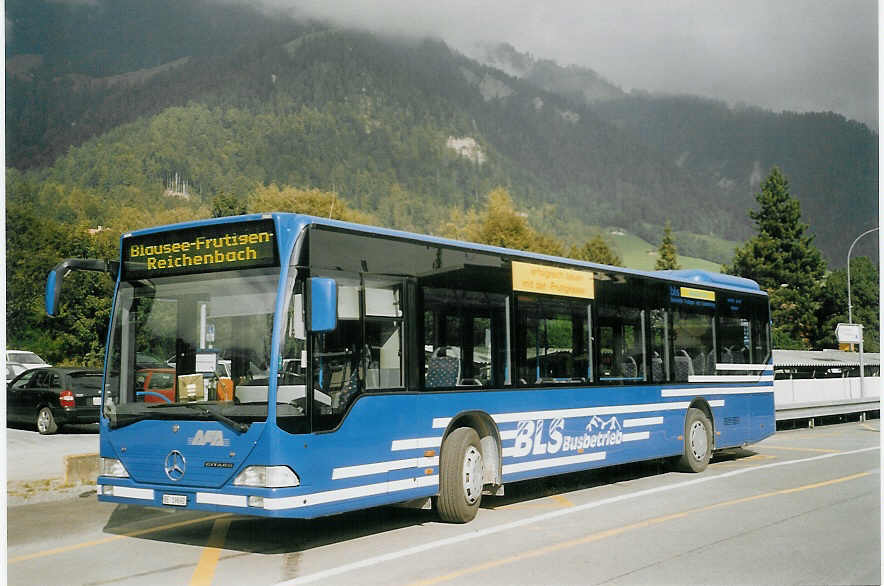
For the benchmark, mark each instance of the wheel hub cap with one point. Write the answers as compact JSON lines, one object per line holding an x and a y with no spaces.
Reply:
{"x":699,"y":442}
{"x":472,"y":475}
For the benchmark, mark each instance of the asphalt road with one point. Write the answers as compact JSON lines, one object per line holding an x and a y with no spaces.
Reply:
{"x":802,"y":507}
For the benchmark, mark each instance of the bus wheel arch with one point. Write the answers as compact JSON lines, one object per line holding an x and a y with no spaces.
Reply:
{"x":489,"y":439}
{"x":703,"y":405}
{"x":699,"y":438}
{"x":469,"y":460}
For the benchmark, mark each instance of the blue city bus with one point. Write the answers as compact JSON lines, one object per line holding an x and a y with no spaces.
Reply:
{"x":290,"y":366}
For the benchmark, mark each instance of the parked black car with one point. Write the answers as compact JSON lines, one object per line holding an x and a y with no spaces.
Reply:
{"x":51,"y":397}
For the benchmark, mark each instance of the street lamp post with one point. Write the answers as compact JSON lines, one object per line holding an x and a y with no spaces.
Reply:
{"x":849,"y":250}
{"x":862,"y":365}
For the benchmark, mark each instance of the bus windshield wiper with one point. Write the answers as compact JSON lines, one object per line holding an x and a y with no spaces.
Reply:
{"x":234,"y":425}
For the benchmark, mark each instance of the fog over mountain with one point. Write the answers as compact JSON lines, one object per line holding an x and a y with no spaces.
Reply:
{"x":796,"y":55}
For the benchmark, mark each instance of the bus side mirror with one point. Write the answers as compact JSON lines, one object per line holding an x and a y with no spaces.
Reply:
{"x":53,"y":292}
{"x":61,"y":270}
{"x":322,"y":315}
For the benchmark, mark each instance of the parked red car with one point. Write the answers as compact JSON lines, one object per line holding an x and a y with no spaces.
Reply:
{"x":155,"y":385}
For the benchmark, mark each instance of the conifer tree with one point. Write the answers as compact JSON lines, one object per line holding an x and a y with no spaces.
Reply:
{"x":227,"y":204}
{"x":783,"y":260}
{"x":667,"y":255}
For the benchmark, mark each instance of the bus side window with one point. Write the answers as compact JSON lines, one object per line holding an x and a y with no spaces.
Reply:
{"x":621,"y":344}
{"x":553,"y":340}
{"x":383,"y":357}
{"x":693,"y":342}
{"x":660,"y":352}
{"x":465,"y":338}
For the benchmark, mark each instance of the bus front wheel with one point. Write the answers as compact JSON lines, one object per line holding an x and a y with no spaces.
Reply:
{"x":461,"y":472}
{"x":697,"y":442}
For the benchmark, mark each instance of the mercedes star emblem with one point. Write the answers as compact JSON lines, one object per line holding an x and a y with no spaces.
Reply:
{"x":175,"y":465}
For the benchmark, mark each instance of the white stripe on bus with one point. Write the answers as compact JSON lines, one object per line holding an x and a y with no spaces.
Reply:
{"x":716,"y":391}
{"x":636,"y":435}
{"x":508,"y":434}
{"x":442,"y":422}
{"x":553,"y":462}
{"x":342,"y":494}
{"x":127,"y":492}
{"x":416,"y":443}
{"x":728,"y":366}
{"x":382,"y":467}
{"x":730,"y":378}
{"x":227,"y":500}
{"x":642,"y":421}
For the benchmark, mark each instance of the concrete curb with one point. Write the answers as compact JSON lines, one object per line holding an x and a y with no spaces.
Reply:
{"x":80,"y":474}
{"x":80,"y":469}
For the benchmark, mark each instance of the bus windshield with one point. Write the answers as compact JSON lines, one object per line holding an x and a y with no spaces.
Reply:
{"x":192,"y":346}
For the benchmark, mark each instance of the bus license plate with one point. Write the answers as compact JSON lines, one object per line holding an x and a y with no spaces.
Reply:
{"x":96,"y":401}
{"x":177,"y":500}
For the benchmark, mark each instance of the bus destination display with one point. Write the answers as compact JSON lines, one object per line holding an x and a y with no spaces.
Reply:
{"x":220,"y":247}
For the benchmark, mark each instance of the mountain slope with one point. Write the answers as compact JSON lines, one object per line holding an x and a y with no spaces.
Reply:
{"x":827,"y":158}
{"x":403,"y":129}
{"x":352,"y":112}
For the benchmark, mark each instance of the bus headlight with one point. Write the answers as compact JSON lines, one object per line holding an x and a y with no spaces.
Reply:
{"x":267,"y":477}
{"x":112,"y":467}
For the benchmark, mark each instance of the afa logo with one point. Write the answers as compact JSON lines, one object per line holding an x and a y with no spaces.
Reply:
{"x":532,"y":437}
{"x":212,"y":437}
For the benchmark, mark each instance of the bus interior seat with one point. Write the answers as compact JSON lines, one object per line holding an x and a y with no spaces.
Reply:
{"x":699,"y":363}
{"x":442,"y":370}
{"x":727,"y":357}
{"x":684,"y":366}
{"x":629,"y":367}
{"x":711,"y":362}
{"x":657,"y":367}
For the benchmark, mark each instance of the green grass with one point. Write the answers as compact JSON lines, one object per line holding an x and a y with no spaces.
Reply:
{"x":639,"y":254}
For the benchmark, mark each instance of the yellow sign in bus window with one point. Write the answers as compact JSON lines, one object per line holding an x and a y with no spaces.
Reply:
{"x":692,"y":293}
{"x":553,"y":280}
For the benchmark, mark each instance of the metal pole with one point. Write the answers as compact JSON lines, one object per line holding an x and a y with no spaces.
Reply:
{"x":862,"y":367}
{"x":849,"y":250}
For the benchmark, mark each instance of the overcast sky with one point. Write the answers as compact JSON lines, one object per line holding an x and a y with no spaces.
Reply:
{"x":800,"y":55}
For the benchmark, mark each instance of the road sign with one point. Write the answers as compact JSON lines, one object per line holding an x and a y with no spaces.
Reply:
{"x":849,"y":333}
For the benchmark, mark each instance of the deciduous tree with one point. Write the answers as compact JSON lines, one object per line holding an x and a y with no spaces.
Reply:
{"x":864,"y":295}
{"x":596,"y":250}
{"x":313,"y":202}
{"x":499,"y":224}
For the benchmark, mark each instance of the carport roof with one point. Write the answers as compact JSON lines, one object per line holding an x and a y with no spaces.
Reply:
{"x":833,"y":358}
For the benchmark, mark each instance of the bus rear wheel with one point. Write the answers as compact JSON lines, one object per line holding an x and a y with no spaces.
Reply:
{"x":461,"y":472}
{"x":697,"y":442}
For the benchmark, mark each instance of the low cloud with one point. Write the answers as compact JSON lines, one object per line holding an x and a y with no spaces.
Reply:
{"x":800,"y":55}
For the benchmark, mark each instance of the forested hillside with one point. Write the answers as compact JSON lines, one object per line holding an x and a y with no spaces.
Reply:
{"x":375,"y":120}
{"x":830,"y":159}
